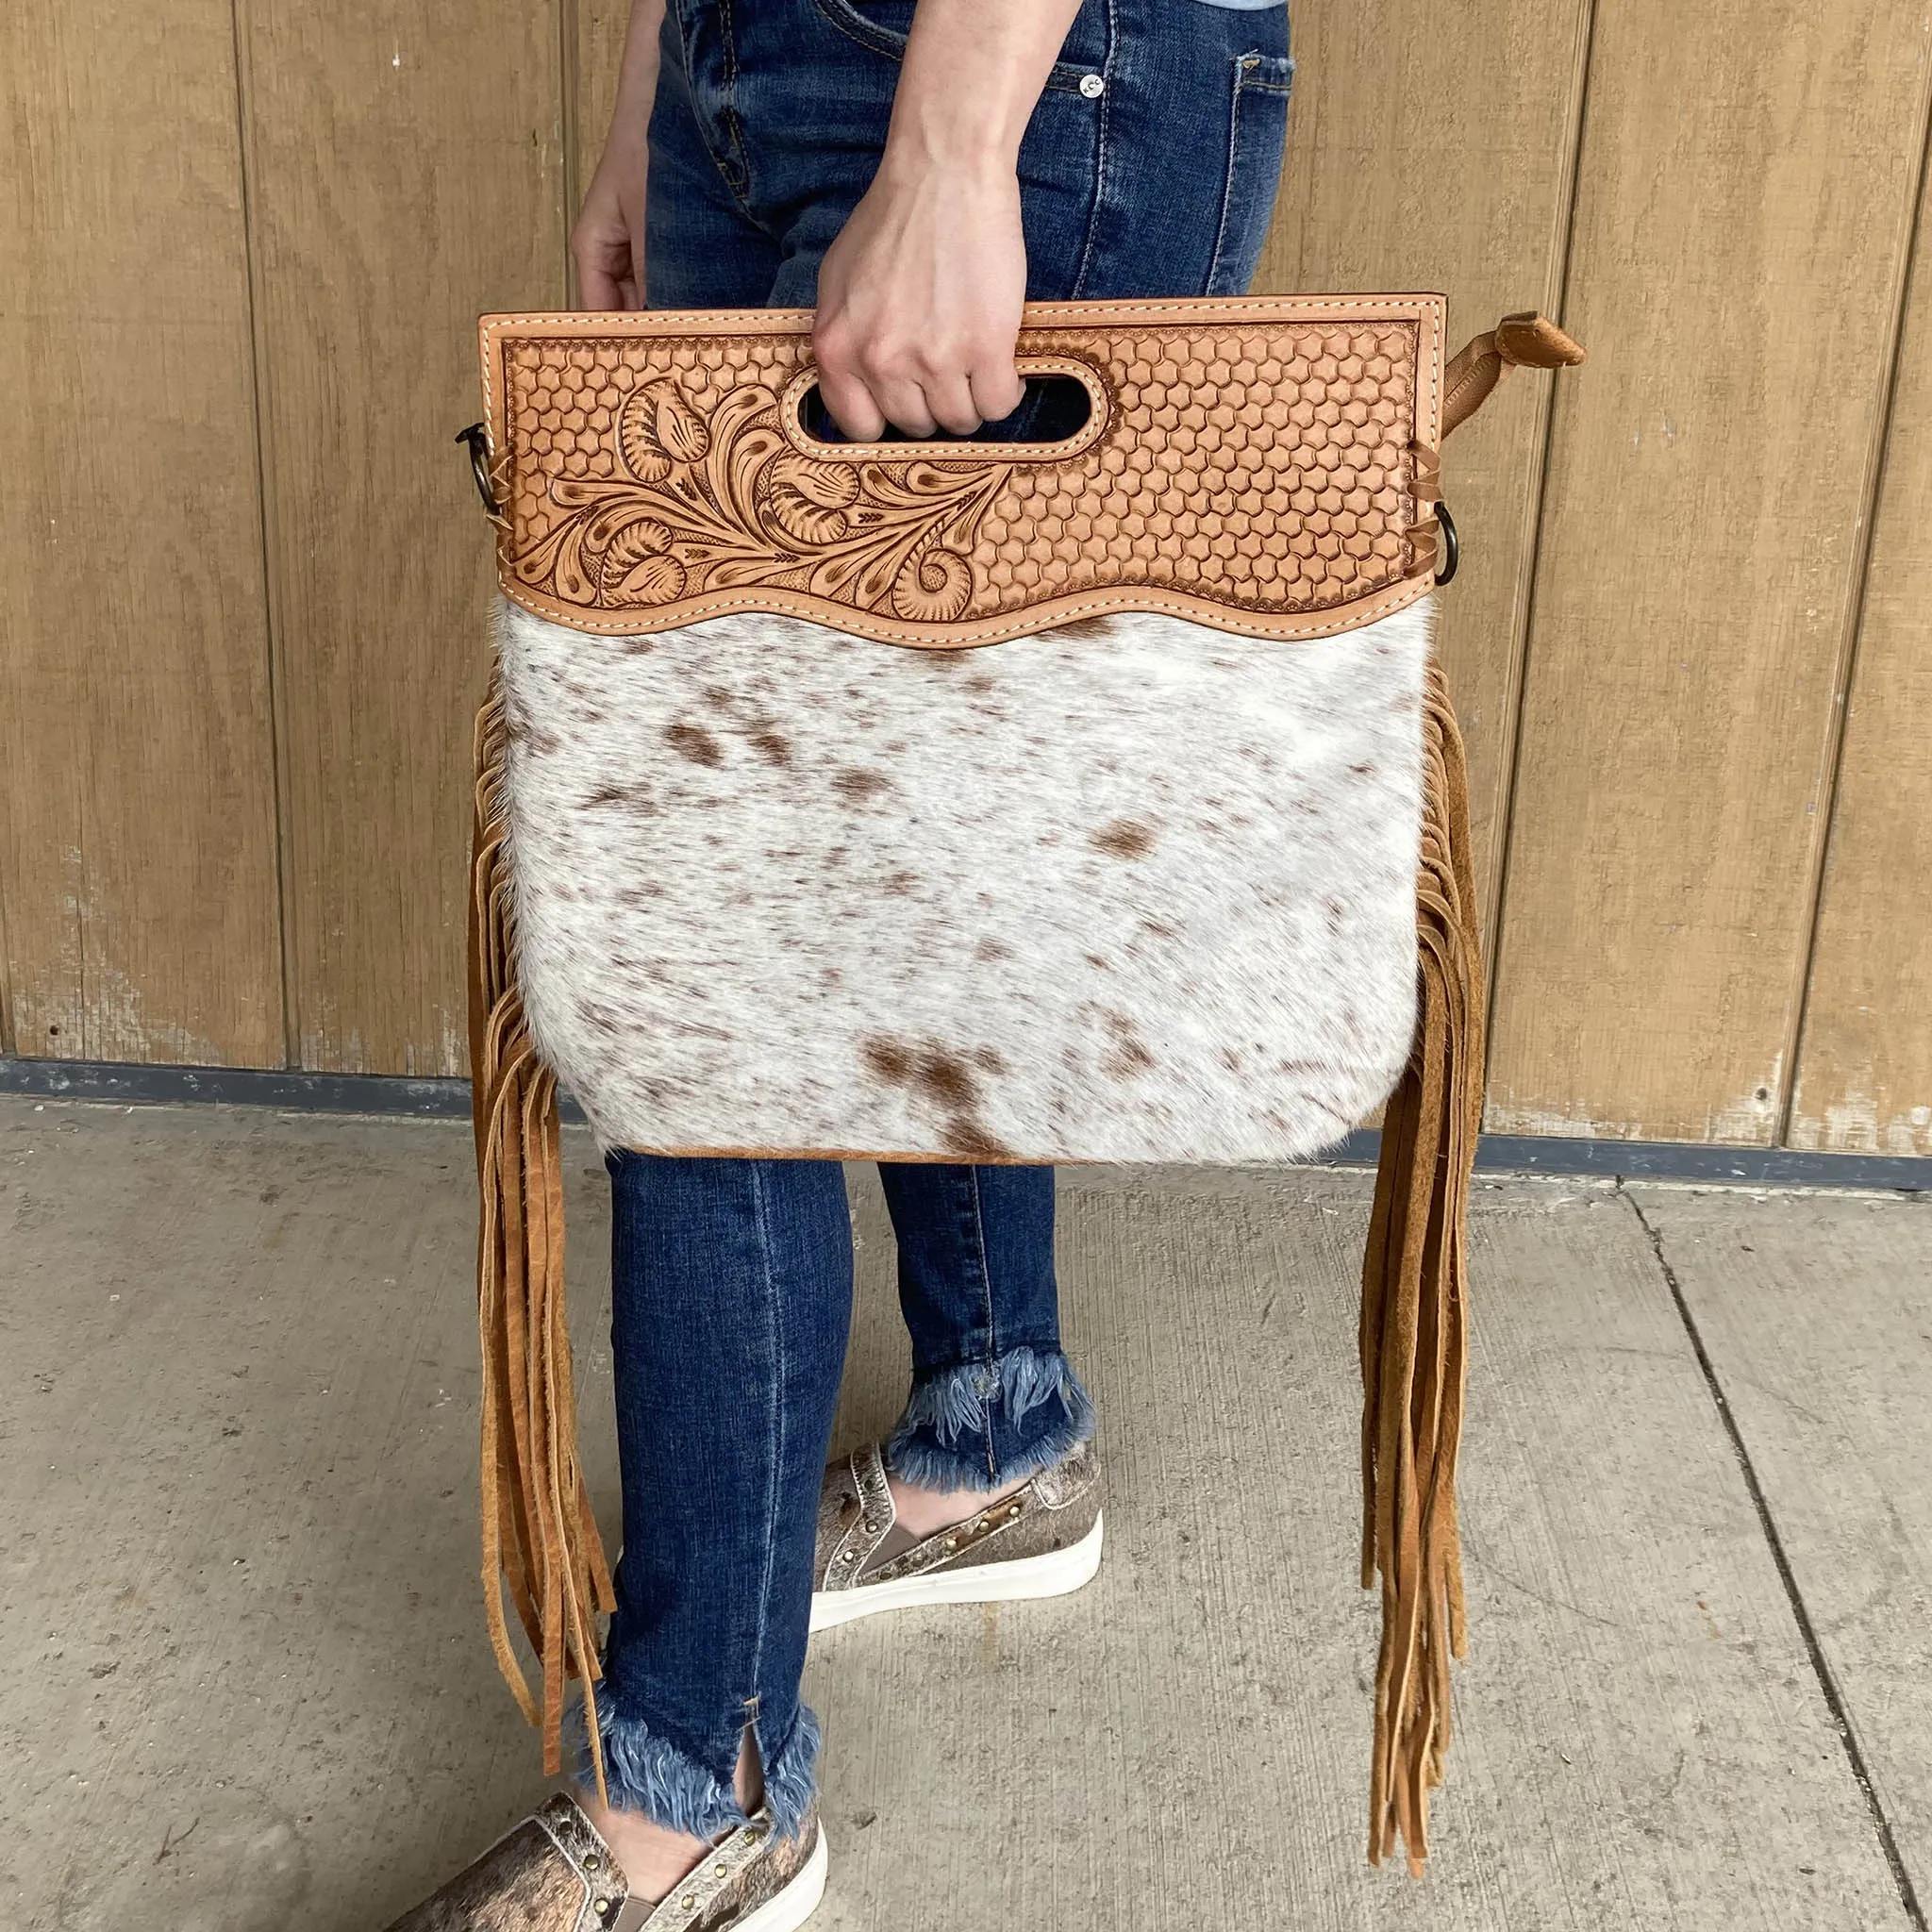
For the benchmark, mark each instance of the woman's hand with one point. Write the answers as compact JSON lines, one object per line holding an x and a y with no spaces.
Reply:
{"x":919,"y":301}
{"x":608,"y":243}
{"x":920,"y":295}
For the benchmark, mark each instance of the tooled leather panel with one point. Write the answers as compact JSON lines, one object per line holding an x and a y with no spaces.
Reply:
{"x":1250,"y":462}
{"x":552,"y":1873}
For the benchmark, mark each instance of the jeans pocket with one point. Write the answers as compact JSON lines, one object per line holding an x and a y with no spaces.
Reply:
{"x":1257,"y":136}
{"x":884,"y":26}
{"x":881,"y":24}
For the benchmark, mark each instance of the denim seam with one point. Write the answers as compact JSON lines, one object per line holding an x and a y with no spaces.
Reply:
{"x":1248,"y":79}
{"x":727,"y":34}
{"x":1093,"y":207}
{"x":1064,"y":77}
{"x":701,"y":122}
{"x":774,"y":1410}
{"x":1234,"y":142}
{"x":992,"y":1333}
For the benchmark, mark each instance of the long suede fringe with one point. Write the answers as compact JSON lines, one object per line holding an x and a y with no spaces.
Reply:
{"x":540,"y":1543}
{"x":540,"y":1540}
{"x":1414,"y":1312}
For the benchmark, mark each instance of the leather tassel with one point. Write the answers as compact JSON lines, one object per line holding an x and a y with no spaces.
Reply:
{"x":1414,"y":1316}
{"x":540,"y":1541}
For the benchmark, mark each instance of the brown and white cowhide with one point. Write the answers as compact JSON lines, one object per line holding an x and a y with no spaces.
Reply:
{"x":1134,"y":890}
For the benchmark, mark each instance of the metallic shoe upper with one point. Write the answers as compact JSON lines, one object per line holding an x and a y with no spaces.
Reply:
{"x":1052,"y":1511}
{"x":554,"y":1872}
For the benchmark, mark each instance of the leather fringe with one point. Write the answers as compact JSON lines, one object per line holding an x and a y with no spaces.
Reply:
{"x":1414,"y":1317}
{"x":540,"y":1543}
{"x":540,"y":1539}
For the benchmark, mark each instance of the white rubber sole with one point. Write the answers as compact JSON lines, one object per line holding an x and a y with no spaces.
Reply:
{"x":798,"y":1900}
{"x":1054,"y":1573}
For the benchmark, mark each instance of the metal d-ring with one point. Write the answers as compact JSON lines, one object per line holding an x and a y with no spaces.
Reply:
{"x":1452,"y":544}
{"x":478,"y":437}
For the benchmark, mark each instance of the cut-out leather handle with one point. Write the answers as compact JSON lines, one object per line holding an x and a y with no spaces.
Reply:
{"x":1527,"y":340}
{"x":1248,"y":464}
{"x":1070,"y":368}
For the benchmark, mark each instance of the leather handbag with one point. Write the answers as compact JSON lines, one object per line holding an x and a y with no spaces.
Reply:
{"x":1094,"y":799}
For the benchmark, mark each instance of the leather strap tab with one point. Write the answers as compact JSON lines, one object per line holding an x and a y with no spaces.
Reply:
{"x":1527,"y":340}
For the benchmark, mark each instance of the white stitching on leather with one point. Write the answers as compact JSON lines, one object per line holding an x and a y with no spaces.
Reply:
{"x":1034,"y":620}
{"x":1428,"y":310}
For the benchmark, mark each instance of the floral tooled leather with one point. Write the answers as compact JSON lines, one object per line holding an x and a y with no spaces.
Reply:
{"x":1263,"y":464}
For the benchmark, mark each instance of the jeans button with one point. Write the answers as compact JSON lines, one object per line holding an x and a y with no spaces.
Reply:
{"x":1092,"y":86}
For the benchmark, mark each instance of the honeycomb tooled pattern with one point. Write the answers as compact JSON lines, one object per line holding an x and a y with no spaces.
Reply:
{"x":1265,"y":467}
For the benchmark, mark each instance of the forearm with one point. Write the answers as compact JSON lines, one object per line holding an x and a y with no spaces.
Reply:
{"x":920,"y":296}
{"x":608,"y":243}
{"x":636,"y":76}
{"x":974,"y":71}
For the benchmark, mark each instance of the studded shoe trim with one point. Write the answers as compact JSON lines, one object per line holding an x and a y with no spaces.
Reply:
{"x":874,"y":1523}
{"x":1052,"y":1511}
{"x":550,"y":1873}
{"x":589,"y":1857}
{"x":693,"y":1902}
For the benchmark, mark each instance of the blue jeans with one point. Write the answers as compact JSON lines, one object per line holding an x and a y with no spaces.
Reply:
{"x":1149,"y":168}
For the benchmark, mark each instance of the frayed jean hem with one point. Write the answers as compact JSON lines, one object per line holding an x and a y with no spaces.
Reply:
{"x":645,"y":1772}
{"x":968,"y":1427}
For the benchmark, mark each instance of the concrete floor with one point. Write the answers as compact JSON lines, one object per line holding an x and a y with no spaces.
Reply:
{"x":243,"y":1685}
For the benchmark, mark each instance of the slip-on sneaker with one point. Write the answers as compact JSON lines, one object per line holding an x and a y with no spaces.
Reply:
{"x":554,"y":1872}
{"x":1041,"y":1540}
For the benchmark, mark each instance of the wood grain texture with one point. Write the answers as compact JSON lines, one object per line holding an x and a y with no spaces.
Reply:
{"x":1432,"y":148}
{"x":1813,"y":1314}
{"x":136,"y":831}
{"x":1736,"y":268}
{"x":407,"y":167}
{"x":596,"y":31}
{"x":1864,"y":1074}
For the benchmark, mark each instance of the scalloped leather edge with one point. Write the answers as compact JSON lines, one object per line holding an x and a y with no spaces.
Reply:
{"x":1428,"y":310}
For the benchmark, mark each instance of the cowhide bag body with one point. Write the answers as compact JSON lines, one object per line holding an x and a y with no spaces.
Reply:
{"x":1093,"y":799}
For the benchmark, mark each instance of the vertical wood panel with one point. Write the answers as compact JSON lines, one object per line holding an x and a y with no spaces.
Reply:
{"x":1744,"y":199}
{"x":1432,"y":148}
{"x":136,"y":851}
{"x":1864,"y":1080}
{"x":1739,"y":242}
{"x":598,"y":44}
{"x":406,"y":166}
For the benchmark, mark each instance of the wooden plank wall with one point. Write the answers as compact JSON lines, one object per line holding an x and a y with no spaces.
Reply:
{"x":138,"y":860}
{"x":1698,"y":580}
{"x":405,"y":169}
{"x":246,"y":581}
{"x":1864,"y":1072}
